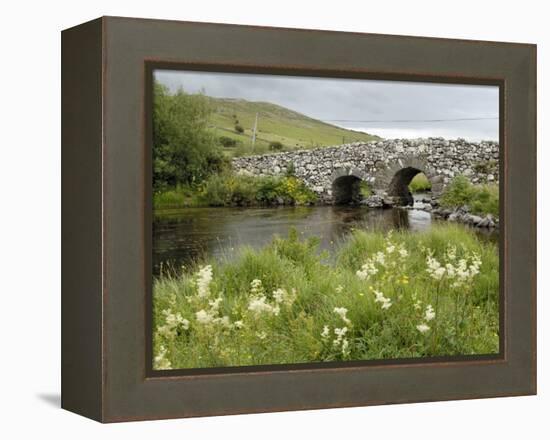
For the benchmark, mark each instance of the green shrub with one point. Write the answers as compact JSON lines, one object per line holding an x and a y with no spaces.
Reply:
{"x":184,"y":148}
{"x":481,"y":199}
{"x":276,"y":146}
{"x":228,"y":189}
{"x":239,"y":128}
{"x":227,"y":142}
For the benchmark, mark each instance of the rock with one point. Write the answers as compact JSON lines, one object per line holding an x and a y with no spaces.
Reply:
{"x":373,"y":201}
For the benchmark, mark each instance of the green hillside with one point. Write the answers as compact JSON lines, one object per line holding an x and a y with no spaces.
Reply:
{"x":275,"y":124}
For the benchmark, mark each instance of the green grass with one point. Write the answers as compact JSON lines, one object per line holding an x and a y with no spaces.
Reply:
{"x":275,"y":124}
{"x":420,"y":183}
{"x":182,"y":196}
{"x":230,"y":189}
{"x":277,"y":304}
{"x":481,"y":199}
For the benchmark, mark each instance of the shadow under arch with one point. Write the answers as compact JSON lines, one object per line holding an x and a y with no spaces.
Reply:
{"x":399,"y":185}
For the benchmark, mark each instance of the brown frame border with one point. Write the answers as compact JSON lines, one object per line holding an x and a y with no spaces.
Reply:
{"x":105,"y":178}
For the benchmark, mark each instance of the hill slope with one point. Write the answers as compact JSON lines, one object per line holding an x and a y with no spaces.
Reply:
{"x":275,"y":124}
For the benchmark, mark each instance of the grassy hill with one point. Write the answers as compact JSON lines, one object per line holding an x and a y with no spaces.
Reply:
{"x":275,"y":124}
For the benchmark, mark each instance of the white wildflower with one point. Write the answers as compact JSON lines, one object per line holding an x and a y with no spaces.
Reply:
{"x":340,"y":334}
{"x":345,"y":347}
{"x":223,"y":321}
{"x":256,"y":287}
{"x":261,"y":335}
{"x":434,"y":268}
{"x":385,"y":303}
{"x":417,"y":305}
{"x":339,"y":289}
{"x":160,"y":361}
{"x":422,"y":328}
{"x":215,"y":304}
{"x":259,"y":305}
{"x":204,"y":278}
{"x":390,"y":249}
{"x":403,"y":253}
{"x":451,"y":253}
{"x":238,"y":324}
{"x":326,"y":331}
{"x":281,"y":296}
{"x":380,"y":258}
{"x":204,"y":317}
{"x":342,"y":311}
{"x":429,"y":314}
{"x":368,"y":269}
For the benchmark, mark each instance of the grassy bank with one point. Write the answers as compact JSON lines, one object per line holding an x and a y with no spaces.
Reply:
{"x":229,"y":189}
{"x":420,"y":183}
{"x":481,"y":199}
{"x":384,"y":296}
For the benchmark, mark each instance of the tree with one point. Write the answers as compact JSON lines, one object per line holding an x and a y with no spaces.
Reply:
{"x":184,"y":150}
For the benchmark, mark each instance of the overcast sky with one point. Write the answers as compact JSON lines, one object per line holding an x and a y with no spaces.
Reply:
{"x":356,"y":104}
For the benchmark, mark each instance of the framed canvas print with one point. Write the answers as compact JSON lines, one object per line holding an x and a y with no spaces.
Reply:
{"x":264,"y":219}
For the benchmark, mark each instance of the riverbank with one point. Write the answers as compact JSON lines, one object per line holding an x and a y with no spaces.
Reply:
{"x":384,"y":296}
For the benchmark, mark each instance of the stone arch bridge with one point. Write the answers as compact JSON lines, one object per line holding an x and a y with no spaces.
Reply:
{"x":335,"y":173}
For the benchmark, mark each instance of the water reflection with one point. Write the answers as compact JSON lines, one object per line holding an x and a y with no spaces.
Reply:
{"x":183,"y":236}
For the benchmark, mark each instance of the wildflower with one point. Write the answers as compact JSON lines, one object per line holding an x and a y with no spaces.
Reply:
{"x":204,"y":278}
{"x":345,"y":347}
{"x":403,"y":253}
{"x":422,"y":328}
{"x":342,"y":311}
{"x":326,"y":331}
{"x":380,"y":258}
{"x":451,"y":253}
{"x":417,"y":305}
{"x":434,"y":268}
{"x":367,"y":270}
{"x":429,"y":314}
{"x":223,"y":321}
{"x":256,"y":287}
{"x":173,"y":320}
{"x":385,"y":303}
{"x":204,"y":317}
{"x":259,"y":305}
{"x":215,"y":304}
{"x":160,"y":361}
{"x":281,"y":296}
{"x":340,"y":333}
{"x":339,"y":289}
{"x":238,"y":324}
{"x":390,"y":249}
{"x":261,"y":335}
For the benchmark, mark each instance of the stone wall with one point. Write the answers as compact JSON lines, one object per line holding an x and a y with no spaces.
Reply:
{"x":377,"y":162}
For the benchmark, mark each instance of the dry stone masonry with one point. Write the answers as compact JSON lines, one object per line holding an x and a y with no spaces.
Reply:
{"x":387,"y":165}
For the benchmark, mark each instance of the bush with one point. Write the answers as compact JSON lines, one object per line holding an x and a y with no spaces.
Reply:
{"x":184,"y":149}
{"x":239,"y":128}
{"x":227,"y":142}
{"x":227,"y":189}
{"x":481,"y":199}
{"x":276,"y":146}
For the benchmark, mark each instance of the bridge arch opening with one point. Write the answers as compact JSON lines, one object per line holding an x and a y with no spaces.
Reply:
{"x":346,"y":190}
{"x":399,"y":186}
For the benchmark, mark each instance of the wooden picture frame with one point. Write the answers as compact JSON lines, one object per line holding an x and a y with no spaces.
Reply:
{"x":107,"y":209}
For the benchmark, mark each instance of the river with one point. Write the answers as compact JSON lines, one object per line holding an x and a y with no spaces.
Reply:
{"x":183,"y":236}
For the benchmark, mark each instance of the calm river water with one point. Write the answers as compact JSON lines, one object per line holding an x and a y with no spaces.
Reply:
{"x":186,"y":235}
